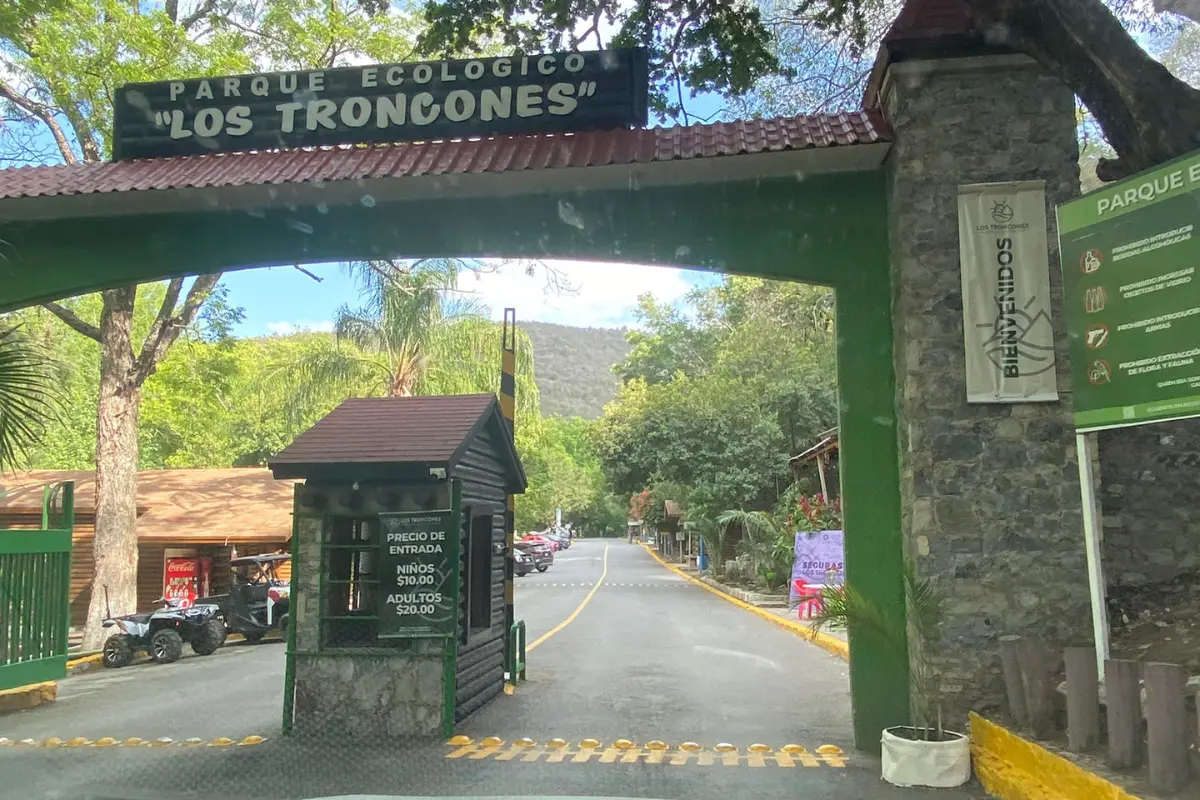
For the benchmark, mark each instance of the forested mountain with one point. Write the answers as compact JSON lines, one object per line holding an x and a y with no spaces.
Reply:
{"x":573,"y":367}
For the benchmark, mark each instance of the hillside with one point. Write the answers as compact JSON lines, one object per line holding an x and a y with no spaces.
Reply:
{"x":573,"y":367}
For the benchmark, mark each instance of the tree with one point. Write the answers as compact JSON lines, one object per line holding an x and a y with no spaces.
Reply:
{"x":63,"y":63}
{"x":25,"y":386}
{"x":1147,"y":115}
{"x":409,"y":337}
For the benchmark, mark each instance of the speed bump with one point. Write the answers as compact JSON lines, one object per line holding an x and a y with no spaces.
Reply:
{"x":655,"y":751}
{"x":133,"y":741}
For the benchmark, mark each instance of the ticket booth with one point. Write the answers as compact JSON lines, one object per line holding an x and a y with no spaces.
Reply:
{"x":398,"y":565}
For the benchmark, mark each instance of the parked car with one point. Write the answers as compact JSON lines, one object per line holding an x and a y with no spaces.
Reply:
{"x":522,"y":563}
{"x":542,"y":538}
{"x":258,"y":599}
{"x":563,"y":540}
{"x":163,"y":632}
{"x":542,"y":554}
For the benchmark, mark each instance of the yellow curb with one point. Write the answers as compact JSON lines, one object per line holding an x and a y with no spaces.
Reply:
{"x":823,"y":640}
{"x":94,"y":658}
{"x":1012,"y":768}
{"x":26,"y":697}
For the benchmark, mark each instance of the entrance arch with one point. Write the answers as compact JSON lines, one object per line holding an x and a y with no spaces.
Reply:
{"x":797,"y":199}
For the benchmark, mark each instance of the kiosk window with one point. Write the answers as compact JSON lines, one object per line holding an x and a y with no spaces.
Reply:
{"x":350,"y":583}
{"x":479,"y":573}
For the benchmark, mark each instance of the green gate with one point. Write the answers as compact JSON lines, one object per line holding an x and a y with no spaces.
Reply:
{"x":35,"y":584}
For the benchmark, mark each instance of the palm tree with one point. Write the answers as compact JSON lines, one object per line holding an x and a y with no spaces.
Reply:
{"x":25,"y":392}
{"x":412,"y":335}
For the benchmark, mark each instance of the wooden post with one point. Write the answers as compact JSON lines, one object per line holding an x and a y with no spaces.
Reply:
{"x":1083,"y":698}
{"x":1123,"y":698}
{"x":821,"y":474}
{"x":1035,"y":676}
{"x":1166,"y":726}
{"x":1015,"y":687}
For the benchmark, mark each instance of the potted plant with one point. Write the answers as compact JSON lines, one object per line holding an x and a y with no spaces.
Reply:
{"x":924,"y":753}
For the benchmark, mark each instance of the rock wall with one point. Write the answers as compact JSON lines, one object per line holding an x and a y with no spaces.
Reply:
{"x":990,"y":493}
{"x":1150,"y":500}
{"x":393,"y":690}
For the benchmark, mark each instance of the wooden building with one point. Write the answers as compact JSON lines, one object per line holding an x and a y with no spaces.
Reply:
{"x":189,"y":520}
{"x":372,"y":469}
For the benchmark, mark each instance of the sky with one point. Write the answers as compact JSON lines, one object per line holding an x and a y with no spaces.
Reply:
{"x":282,"y":300}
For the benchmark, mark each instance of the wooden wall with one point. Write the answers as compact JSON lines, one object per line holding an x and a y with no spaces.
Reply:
{"x":480,"y":669}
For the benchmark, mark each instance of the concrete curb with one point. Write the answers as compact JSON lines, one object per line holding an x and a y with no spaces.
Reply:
{"x":823,"y":640}
{"x":1012,"y":768}
{"x":84,"y":663}
{"x":26,"y":697}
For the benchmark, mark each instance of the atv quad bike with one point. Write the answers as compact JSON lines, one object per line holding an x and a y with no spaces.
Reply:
{"x":163,"y":632}
{"x":258,"y":600}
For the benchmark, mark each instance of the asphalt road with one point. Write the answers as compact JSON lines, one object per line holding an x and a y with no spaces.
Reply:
{"x":647,"y":656}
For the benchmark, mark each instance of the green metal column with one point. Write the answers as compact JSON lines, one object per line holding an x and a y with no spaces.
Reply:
{"x":870,"y":474}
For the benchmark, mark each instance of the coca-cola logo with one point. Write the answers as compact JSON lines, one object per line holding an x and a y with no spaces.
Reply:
{"x":181,"y":567}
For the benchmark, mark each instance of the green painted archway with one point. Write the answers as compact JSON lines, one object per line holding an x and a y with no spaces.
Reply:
{"x":821,"y":228}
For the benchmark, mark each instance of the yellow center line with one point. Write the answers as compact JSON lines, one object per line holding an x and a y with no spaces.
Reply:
{"x":578,"y":608}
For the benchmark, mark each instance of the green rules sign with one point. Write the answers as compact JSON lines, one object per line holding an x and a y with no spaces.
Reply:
{"x":1129,"y":257}
{"x":418,"y":592}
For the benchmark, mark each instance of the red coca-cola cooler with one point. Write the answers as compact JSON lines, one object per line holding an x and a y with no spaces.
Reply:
{"x":187,"y":577}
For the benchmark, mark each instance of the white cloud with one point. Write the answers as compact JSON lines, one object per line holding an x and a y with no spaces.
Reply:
{"x":288,"y":328}
{"x":603,"y":295}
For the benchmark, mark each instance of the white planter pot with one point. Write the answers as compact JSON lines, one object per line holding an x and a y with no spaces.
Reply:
{"x":908,"y":762}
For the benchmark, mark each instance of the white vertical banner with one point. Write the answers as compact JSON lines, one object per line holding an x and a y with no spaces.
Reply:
{"x":1005,"y":266}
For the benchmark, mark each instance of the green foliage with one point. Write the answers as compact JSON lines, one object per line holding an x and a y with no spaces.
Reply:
{"x":845,"y":608}
{"x":574,"y":367}
{"x":701,"y":45}
{"x":26,"y":392}
{"x":718,"y":395}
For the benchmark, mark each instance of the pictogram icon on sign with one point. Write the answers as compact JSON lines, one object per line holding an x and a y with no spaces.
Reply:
{"x":1090,"y":261}
{"x":1099,"y":373}
{"x":1096,"y":336}
{"x":1094,"y":299}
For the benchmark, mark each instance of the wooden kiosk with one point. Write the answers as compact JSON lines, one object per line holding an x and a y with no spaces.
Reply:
{"x":398,"y":622}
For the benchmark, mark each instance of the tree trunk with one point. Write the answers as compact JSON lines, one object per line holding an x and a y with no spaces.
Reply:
{"x":114,"y":573}
{"x":1148,"y":115}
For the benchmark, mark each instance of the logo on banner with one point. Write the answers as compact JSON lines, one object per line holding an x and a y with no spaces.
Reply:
{"x":1021,"y":336}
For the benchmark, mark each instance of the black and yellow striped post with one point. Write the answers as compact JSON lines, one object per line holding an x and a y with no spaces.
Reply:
{"x":508,"y":399}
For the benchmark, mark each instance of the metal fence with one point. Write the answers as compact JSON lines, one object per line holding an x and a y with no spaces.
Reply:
{"x":35,"y":582}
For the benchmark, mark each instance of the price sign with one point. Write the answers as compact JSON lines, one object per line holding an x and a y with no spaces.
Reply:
{"x":419,"y":592}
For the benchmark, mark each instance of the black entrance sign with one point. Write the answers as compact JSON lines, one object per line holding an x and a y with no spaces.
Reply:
{"x":418,"y":587}
{"x":382,"y":103}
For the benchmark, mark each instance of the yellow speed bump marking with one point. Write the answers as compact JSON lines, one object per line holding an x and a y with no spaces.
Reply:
{"x":78,"y":741}
{"x":221,"y":741}
{"x":133,"y":741}
{"x":655,"y":751}
{"x":53,"y":741}
{"x":459,"y":741}
{"x":105,"y":741}
{"x":6,"y":742}
{"x":193,"y":741}
{"x":253,"y":740}
{"x":28,"y":742}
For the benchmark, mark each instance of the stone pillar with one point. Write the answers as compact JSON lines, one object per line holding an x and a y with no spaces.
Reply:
{"x":989,"y":493}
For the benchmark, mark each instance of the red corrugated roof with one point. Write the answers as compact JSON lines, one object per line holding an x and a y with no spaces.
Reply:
{"x":450,"y":157}
{"x":930,"y":19}
{"x":389,"y":430}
